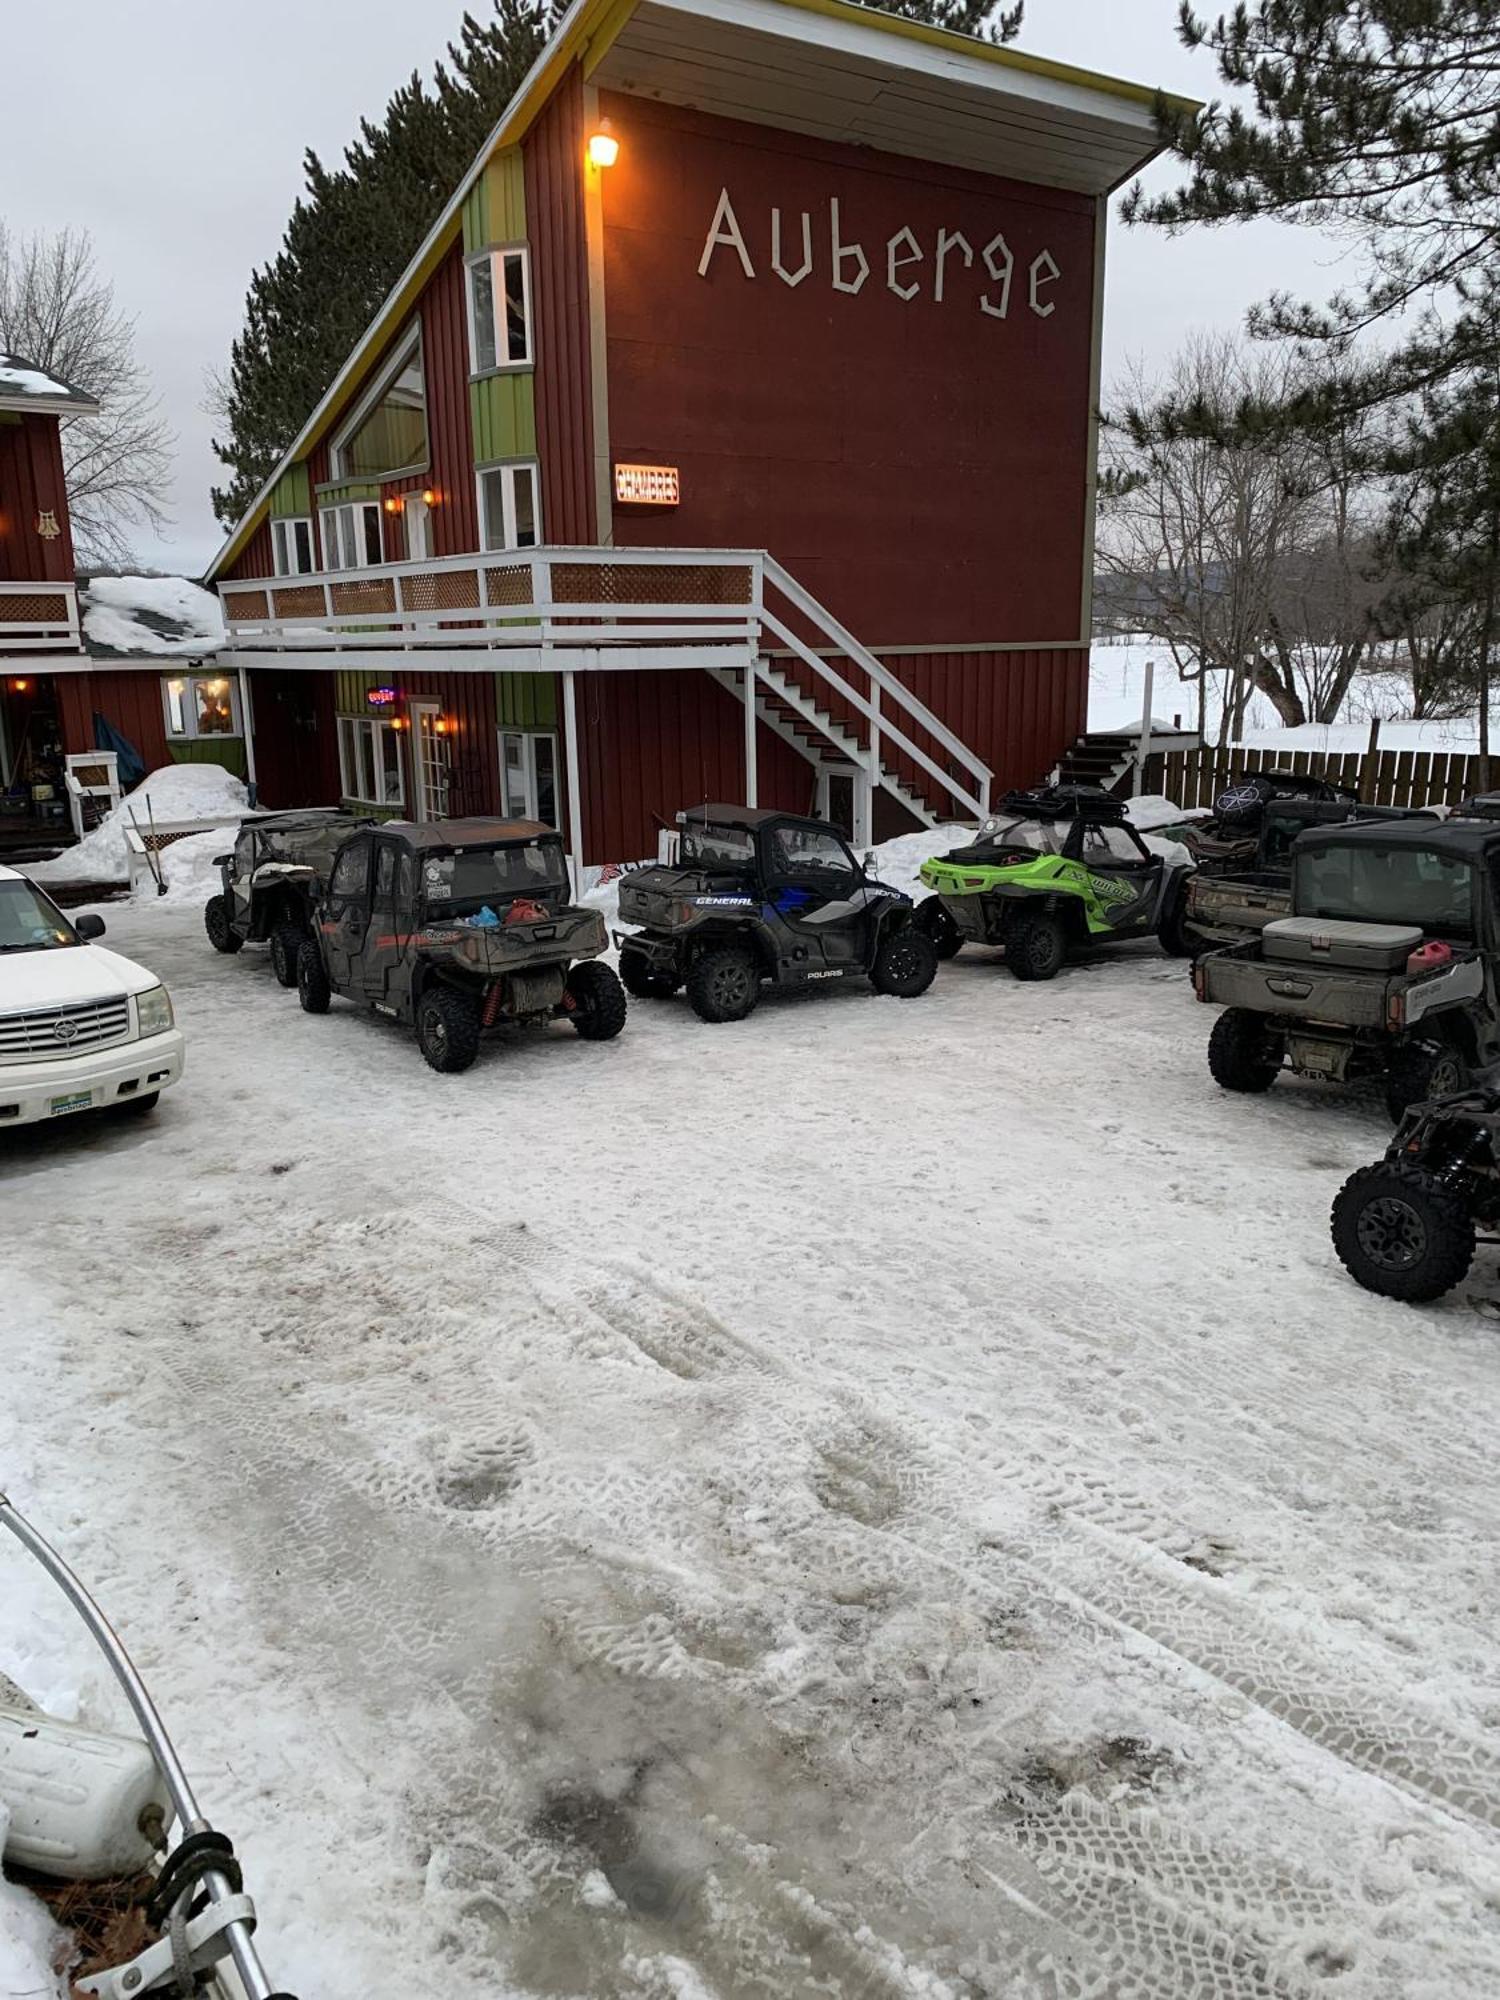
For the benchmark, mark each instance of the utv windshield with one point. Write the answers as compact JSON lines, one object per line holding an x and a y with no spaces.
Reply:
{"x":463,"y":883}
{"x":1040,"y":836}
{"x":1387,"y":885}
{"x":717,"y":846}
{"x":28,"y":922}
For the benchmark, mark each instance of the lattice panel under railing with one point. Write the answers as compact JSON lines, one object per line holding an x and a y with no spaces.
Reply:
{"x":249,"y":605}
{"x":511,"y":585}
{"x":363,"y":598}
{"x":440,"y":590}
{"x":39,"y":607}
{"x":301,"y":600}
{"x":627,"y":583}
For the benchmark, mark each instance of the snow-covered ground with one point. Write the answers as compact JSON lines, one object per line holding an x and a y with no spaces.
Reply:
{"x":887,"y":1499}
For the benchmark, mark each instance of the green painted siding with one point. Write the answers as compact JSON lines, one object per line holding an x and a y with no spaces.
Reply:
{"x":526,"y":701}
{"x":230,"y":753}
{"x":503,"y":408}
{"x":495,"y":211}
{"x":293,"y":494}
{"x":350,"y":689}
{"x":348,"y":489}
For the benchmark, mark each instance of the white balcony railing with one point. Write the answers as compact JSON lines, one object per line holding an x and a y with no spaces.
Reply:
{"x":589,"y":608}
{"x":39,"y":618}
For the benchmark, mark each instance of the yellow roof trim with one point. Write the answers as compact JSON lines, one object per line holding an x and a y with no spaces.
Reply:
{"x":588,"y":30}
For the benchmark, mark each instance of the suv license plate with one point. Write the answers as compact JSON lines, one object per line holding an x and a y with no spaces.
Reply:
{"x":78,"y":1100}
{"x":1322,"y":1061}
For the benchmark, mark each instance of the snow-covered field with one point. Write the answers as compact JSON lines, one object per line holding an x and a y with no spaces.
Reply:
{"x":888,"y":1499}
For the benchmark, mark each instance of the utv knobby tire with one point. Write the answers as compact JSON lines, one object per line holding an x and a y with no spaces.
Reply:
{"x":724,"y":984}
{"x":1416,"y":1073}
{"x":598,"y":1001}
{"x":906,"y":963}
{"x":1036,"y":947}
{"x":1244,"y":1054}
{"x":935,"y":920}
{"x":448,"y":1029}
{"x":640,"y":977}
{"x":1175,"y":935}
{"x":286,"y":948}
{"x":221,"y":932}
{"x":1401,"y":1233}
{"x":313,"y":989}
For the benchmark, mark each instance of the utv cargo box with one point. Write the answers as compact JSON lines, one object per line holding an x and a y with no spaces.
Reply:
{"x":1355,"y":947}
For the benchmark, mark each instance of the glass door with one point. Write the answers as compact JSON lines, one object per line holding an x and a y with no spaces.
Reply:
{"x":429,"y":756}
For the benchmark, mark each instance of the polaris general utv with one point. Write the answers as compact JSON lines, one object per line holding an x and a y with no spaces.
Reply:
{"x":278,"y":865}
{"x":1050,"y":871}
{"x":1405,"y":1227}
{"x":1386,"y":967}
{"x":763,"y":897}
{"x":459,"y":927}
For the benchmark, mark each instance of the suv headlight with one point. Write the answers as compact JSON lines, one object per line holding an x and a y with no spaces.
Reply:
{"x":153,"y":1010}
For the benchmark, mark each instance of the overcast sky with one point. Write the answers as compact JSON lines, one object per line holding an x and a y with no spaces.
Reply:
{"x":173,"y":130}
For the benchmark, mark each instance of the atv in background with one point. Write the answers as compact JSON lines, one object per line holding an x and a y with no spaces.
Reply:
{"x":457,"y":928}
{"x":1050,"y":872}
{"x":279,"y":864}
{"x":1221,"y":904}
{"x":1385,"y":969}
{"x":759,"y":898}
{"x":1230,"y":839}
{"x":1405,"y":1227}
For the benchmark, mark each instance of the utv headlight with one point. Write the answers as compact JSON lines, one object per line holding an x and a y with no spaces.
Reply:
{"x":153,"y":1010}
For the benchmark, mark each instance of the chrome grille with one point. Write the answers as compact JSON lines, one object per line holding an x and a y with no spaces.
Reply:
{"x":62,"y":1031}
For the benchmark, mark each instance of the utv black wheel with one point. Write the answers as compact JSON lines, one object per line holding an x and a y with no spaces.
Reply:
{"x":598,"y":1001}
{"x":1036,"y":947}
{"x":1174,"y":933}
{"x":1244,"y":1053}
{"x":724,"y":984}
{"x":1401,"y":1233}
{"x":906,"y":963}
{"x":221,"y":933}
{"x":286,"y":949}
{"x":1417,"y":1073}
{"x":935,"y":921}
{"x":448,"y":1028}
{"x":640,"y":977}
{"x":313,"y":989}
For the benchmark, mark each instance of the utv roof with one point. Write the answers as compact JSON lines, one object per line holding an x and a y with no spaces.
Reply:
{"x":437,"y":836}
{"x":1458,"y":839}
{"x":748,"y":816}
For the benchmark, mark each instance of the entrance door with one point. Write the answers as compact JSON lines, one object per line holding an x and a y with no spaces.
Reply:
{"x":418,"y":528}
{"x":836,"y":796}
{"x":429,"y":755}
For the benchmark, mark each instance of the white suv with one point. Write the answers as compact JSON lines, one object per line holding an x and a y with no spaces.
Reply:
{"x":81,"y":1029}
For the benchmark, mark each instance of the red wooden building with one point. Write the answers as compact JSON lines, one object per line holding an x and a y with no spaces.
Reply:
{"x":731,"y":435}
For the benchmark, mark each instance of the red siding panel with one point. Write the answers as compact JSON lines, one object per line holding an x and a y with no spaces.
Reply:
{"x":131,"y":701}
{"x":468,"y":706}
{"x":553,"y":151}
{"x":255,"y":559}
{"x":32,"y":484}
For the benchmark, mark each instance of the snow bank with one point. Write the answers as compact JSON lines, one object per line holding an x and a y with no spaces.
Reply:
{"x":29,"y":1940}
{"x":175,"y":792}
{"x":113,"y":607}
{"x":188,"y":870}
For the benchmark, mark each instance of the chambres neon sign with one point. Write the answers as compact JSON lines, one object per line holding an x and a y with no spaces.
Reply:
{"x":997,"y":281}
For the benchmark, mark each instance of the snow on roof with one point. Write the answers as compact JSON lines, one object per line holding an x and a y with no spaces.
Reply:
{"x":165,"y":617}
{"x":22,"y":383}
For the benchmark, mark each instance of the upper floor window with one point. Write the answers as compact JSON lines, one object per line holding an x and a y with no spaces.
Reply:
{"x":200,"y":705}
{"x":499,"y":310}
{"x":510,"y":513}
{"x":351,"y":535}
{"x":387,"y":432}
{"x":292,"y":547}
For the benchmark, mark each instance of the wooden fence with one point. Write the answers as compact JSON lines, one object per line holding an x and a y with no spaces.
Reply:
{"x":1380,"y":777}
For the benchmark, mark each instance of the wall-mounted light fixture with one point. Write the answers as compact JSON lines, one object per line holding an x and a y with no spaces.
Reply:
{"x":604,"y":147}
{"x":19,"y":686}
{"x":393,"y":503}
{"x":431,"y":495}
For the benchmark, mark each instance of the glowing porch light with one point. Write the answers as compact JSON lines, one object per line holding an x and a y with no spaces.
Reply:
{"x":604,"y":147}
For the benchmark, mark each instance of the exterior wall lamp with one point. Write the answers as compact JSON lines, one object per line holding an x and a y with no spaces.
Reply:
{"x":604,"y":147}
{"x":431,"y":495}
{"x":393,"y":504}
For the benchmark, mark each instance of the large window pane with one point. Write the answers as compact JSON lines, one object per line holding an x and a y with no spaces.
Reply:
{"x":513,"y":748}
{"x":390,"y":759}
{"x":392,"y":435}
{"x":492,"y":491}
{"x":544,"y":757}
{"x":517,"y":331}
{"x":524,"y":488}
{"x":215,"y":711}
{"x":482,"y":308}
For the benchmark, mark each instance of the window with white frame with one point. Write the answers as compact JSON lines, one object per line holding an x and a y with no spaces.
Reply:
{"x":292,"y":546}
{"x":510,"y":506}
{"x":386,"y":433}
{"x":528,"y":775}
{"x":370,"y":761}
{"x":499,"y":310}
{"x":351,"y":535}
{"x":200,"y":707}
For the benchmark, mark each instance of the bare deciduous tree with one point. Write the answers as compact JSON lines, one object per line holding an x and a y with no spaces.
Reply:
{"x":57,"y":312}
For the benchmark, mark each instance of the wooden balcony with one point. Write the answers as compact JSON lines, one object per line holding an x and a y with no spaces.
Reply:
{"x":39,"y":618}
